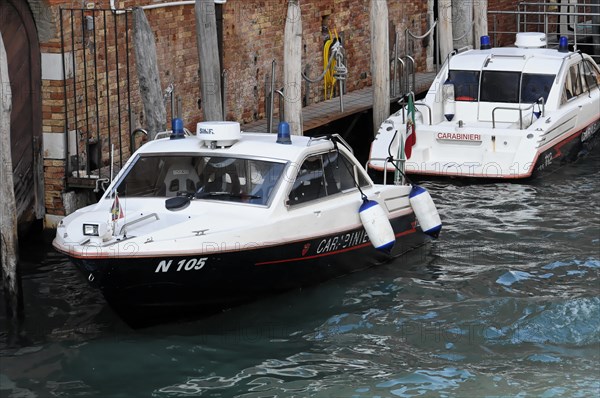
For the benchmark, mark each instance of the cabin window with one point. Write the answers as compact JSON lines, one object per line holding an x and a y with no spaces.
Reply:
{"x":466,"y":84}
{"x":340,"y":173}
{"x":591,"y":76}
{"x":202,"y":177}
{"x":500,"y":86}
{"x":535,"y":86}
{"x":323,"y":175}
{"x":309,"y":184}
{"x":572,"y":83}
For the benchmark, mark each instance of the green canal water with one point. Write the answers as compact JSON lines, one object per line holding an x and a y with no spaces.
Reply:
{"x":505,"y":303}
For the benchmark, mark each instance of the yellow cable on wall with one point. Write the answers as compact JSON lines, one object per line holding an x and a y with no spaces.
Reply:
{"x":328,"y":79}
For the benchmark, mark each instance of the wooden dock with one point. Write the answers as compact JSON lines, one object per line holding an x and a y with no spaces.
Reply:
{"x":314,"y":115}
{"x":322,"y":113}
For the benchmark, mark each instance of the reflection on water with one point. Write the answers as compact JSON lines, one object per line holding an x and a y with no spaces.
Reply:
{"x":505,"y":303}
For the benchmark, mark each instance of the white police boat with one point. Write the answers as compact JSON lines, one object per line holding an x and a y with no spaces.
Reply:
{"x":505,"y":113}
{"x":208,"y":221}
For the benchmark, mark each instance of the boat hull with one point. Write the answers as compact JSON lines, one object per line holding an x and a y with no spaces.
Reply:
{"x":503,"y":113}
{"x":147,"y":289}
{"x":565,"y":149}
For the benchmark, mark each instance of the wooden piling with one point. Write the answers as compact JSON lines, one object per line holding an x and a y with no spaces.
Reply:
{"x":9,"y":245}
{"x":147,"y":71}
{"x":210,"y":66}
{"x":292,"y":67}
{"x":445,"y":28}
{"x":480,"y":22}
{"x":380,"y":66}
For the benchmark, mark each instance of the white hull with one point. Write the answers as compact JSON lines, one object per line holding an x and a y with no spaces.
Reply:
{"x":489,"y":136}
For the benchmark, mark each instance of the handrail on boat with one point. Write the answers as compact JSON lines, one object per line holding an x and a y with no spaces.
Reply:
{"x":167,"y":133}
{"x":539,"y":100}
{"x":401,"y":165}
{"x":403,"y":105}
{"x":147,"y":216}
{"x":328,"y":137}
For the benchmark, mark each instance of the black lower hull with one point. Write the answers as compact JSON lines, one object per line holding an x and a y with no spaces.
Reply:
{"x":567,"y":150}
{"x":146,"y":289}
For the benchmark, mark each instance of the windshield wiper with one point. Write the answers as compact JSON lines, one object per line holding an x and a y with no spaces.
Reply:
{"x":200,"y":195}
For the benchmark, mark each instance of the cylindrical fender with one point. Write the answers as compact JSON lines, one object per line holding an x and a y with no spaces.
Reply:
{"x":377,"y":225}
{"x":425,"y":211}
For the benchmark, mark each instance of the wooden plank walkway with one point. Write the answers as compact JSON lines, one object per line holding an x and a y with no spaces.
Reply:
{"x":322,"y":113}
{"x":314,"y":115}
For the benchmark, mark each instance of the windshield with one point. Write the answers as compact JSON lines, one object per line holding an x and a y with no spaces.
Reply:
{"x":466,"y":84}
{"x":500,"y":86}
{"x":514,"y":87}
{"x":202,"y":177}
{"x":535,"y":86}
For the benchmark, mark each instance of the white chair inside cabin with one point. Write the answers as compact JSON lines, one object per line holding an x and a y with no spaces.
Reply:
{"x":180,"y":177}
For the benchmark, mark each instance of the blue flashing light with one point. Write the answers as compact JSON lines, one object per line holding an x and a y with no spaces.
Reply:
{"x":484,"y":42}
{"x":177,"y":129}
{"x":563,"y":44}
{"x":283,"y":133}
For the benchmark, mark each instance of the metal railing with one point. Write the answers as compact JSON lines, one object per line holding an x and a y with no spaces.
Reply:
{"x":542,"y":111}
{"x":578,"y":21}
{"x":270,"y":99}
{"x":403,"y":67}
{"x":399,"y":163}
{"x":404,"y":103}
{"x":97,"y":93}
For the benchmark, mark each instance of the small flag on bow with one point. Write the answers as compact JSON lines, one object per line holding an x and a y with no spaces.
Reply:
{"x":116,"y":211}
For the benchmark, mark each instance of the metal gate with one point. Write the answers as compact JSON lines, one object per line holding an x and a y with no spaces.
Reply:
{"x":578,"y":20}
{"x":97,"y":94}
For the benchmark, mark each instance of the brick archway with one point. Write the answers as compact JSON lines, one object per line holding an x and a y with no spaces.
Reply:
{"x":24,"y":70}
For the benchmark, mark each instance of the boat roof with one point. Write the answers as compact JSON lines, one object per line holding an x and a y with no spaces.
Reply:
{"x":262,"y":145}
{"x":530,"y":60}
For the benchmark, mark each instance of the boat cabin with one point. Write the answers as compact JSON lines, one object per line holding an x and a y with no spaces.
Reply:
{"x":168,"y":169}
{"x":503,"y":85}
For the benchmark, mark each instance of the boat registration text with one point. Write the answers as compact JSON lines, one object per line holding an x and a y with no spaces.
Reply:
{"x":192,"y":264}
{"x":459,"y":136}
{"x":342,"y":241}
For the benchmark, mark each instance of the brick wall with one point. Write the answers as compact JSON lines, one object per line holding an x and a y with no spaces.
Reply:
{"x":252,"y":37}
{"x":248,"y":61}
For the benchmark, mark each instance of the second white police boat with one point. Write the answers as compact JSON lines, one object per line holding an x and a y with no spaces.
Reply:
{"x":500,"y":113}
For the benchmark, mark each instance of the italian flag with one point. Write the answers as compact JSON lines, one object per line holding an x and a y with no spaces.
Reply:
{"x":411,"y":136}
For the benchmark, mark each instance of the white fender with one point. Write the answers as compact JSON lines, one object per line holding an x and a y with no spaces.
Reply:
{"x":377,"y":225}
{"x":425,"y":211}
